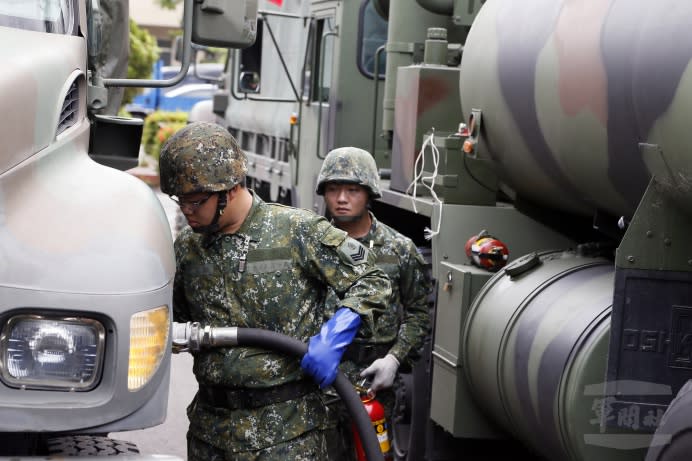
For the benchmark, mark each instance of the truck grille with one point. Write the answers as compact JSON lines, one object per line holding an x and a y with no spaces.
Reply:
{"x":70,"y":107}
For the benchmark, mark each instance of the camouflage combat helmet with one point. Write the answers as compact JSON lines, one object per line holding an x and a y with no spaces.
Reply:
{"x":201,"y":157}
{"x":350,"y":164}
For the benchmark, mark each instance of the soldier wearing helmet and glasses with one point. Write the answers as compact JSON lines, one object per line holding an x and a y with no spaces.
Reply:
{"x":247,"y":263}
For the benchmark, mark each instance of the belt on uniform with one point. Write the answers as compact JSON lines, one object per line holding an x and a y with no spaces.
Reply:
{"x":365,"y":354}
{"x":248,"y":398}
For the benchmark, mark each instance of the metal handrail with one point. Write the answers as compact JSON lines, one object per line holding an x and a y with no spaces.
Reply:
{"x":187,"y":49}
{"x":320,"y":82}
{"x":376,"y":78}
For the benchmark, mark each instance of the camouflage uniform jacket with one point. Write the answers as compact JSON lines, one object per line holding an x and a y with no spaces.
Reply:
{"x":273,"y":273}
{"x":407,"y":320}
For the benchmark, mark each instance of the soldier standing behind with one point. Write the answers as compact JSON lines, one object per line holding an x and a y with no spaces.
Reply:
{"x":349,"y":180}
{"x":243,"y":262}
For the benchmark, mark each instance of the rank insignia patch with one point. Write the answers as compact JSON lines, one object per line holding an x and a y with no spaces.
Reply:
{"x":353,"y":251}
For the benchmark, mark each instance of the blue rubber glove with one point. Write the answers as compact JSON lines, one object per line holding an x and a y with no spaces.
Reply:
{"x":326,"y":348}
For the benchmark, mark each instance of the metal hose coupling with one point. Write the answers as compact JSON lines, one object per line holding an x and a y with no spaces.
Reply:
{"x":192,"y":336}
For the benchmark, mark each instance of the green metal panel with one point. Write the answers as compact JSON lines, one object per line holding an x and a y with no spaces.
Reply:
{"x":521,"y":234}
{"x":458,"y":287}
{"x":658,"y":236}
{"x":452,"y":406}
{"x":427,"y":98}
{"x":651,"y":329}
{"x":465,"y":11}
{"x":408,"y":25}
{"x":459,"y":178}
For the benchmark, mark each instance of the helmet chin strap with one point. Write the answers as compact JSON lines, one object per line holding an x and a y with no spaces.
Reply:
{"x":347,"y":219}
{"x":351,"y":218}
{"x":214,"y":227}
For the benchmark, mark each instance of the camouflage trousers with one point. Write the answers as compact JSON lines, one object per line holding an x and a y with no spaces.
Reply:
{"x":310,"y":446}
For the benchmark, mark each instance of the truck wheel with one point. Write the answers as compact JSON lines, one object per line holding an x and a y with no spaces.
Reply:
{"x":401,"y":418}
{"x":410,"y":427}
{"x":673,"y":438}
{"x":410,"y":418}
{"x":89,"y":445}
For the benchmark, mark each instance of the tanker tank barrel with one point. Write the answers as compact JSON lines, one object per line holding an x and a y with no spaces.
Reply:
{"x":587,"y":129}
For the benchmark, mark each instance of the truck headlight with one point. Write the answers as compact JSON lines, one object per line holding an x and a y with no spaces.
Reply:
{"x":41,"y":352}
{"x":148,"y":343}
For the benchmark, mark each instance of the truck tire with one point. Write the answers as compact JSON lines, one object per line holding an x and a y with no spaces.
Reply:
{"x":410,"y":417}
{"x":89,"y":445}
{"x":675,"y":429}
{"x":410,"y":426}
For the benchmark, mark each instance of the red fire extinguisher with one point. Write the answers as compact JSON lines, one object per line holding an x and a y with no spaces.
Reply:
{"x":375,"y":410}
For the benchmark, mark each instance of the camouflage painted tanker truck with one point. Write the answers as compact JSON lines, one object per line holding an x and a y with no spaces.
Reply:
{"x":86,"y":258}
{"x":559,"y":127}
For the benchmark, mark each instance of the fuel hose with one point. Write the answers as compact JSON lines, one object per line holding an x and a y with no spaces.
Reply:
{"x":195,"y":337}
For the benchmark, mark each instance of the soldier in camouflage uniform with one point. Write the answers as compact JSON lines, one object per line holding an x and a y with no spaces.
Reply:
{"x":243,"y":262}
{"x":348,"y":181}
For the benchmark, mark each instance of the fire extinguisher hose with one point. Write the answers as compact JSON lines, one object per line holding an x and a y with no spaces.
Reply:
{"x":281,"y":343}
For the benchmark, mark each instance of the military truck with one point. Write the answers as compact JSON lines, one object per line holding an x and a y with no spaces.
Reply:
{"x":559,"y":127}
{"x":86,"y":259}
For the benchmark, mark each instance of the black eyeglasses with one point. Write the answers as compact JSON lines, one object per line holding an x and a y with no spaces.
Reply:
{"x":191,"y":205}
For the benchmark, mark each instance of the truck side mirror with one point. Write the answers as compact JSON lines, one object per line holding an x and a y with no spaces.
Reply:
{"x":224,"y":23}
{"x":249,"y":82}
